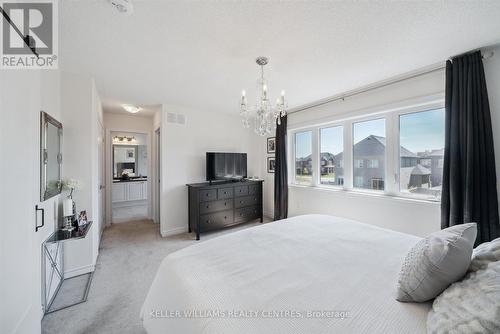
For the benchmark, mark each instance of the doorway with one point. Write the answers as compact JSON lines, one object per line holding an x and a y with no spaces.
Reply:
{"x":131,"y":176}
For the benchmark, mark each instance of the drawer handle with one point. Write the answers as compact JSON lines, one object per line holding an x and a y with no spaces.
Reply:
{"x":225,"y":192}
{"x":241,"y":202}
{"x":208,"y":206}
{"x":206,"y":194}
{"x":225,"y":217}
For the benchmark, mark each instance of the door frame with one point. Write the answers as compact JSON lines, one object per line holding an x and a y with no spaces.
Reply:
{"x":157,"y":176}
{"x":109,"y":170}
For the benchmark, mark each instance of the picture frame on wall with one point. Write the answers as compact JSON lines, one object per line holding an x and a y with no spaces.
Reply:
{"x":271,"y":164}
{"x":271,"y":145}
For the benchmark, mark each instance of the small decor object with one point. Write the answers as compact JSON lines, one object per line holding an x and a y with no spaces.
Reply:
{"x":69,"y":208}
{"x":68,"y":213}
{"x":271,"y":164}
{"x":82,"y":218}
{"x":271,"y":145}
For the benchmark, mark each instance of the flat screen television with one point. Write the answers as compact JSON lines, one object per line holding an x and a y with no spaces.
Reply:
{"x":226,"y":166}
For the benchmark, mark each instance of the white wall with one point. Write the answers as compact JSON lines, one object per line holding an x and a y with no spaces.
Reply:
{"x":183,"y":157}
{"x":23,"y":94}
{"x":492,"y":72}
{"x":410,"y":216}
{"x":114,"y":122}
{"x":81,"y":115}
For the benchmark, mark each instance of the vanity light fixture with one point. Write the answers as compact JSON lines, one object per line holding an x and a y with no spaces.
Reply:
{"x":121,"y":139}
{"x":131,"y":108}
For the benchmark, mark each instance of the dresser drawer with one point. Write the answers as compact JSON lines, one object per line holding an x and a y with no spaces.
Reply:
{"x":208,"y":195}
{"x":224,"y":193}
{"x":216,"y":220}
{"x":253,"y":189}
{"x":241,"y":191}
{"x":246,"y":214}
{"x":246,"y":201}
{"x":207,"y":207}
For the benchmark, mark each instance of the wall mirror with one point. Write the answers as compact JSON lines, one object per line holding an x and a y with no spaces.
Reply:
{"x":51,"y":132}
{"x":129,"y":161}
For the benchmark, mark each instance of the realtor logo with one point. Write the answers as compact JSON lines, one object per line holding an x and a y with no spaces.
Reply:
{"x":29,"y":34}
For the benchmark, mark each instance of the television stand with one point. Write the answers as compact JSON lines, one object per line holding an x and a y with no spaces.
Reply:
{"x":214,"y":206}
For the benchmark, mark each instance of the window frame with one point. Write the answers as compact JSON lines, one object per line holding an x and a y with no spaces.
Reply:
{"x":294,"y":136}
{"x":392,"y":158}
{"x":318,"y":172}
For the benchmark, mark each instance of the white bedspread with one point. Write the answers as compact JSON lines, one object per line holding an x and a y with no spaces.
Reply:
{"x":245,"y":282}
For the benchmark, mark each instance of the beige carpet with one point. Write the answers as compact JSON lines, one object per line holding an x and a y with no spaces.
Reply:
{"x":129,"y":256}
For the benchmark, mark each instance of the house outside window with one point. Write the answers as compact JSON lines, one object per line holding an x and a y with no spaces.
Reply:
{"x":331,"y":154}
{"x":303,"y":157}
{"x":369,"y":144}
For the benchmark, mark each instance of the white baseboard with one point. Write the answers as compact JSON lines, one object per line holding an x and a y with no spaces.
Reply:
{"x":79,"y":271}
{"x":173,"y":231}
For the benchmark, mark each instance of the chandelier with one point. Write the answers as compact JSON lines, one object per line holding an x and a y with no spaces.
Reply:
{"x":265,"y":114}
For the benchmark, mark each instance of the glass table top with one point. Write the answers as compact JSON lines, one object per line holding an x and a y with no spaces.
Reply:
{"x":63,"y":235}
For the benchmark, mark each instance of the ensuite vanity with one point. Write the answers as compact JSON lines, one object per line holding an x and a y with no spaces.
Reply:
{"x":129,"y":190}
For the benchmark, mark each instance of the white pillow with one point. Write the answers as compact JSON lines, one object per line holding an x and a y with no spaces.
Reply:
{"x":435,"y":262}
{"x":485,"y":253}
{"x":469,"y":306}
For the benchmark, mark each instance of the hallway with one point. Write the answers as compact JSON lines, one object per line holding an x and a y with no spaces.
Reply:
{"x":129,"y":256}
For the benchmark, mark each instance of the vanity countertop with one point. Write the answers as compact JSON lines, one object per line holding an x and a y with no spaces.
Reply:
{"x":130,"y":180}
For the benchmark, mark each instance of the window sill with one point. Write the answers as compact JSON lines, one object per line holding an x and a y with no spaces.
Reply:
{"x":365,"y":193}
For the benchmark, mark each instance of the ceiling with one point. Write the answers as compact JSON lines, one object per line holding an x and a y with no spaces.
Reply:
{"x":200,"y":55}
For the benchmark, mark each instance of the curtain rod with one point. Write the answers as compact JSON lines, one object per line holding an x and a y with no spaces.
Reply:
{"x":377,"y":85}
{"x":410,"y":75}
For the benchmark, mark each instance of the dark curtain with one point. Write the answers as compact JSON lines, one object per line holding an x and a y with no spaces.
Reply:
{"x":469,"y":179}
{"x":281,"y":174}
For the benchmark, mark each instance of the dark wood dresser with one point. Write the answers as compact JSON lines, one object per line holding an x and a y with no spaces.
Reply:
{"x":218,"y":205}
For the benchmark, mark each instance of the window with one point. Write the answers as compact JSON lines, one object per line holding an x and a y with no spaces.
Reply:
{"x":331,"y":155}
{"x":358,"y":181}
{"x":421,"y":152}
{"x":303,"y":157}
{"x":378,"y":184}
{"x":369,"y":144}
{"x":398,"y":152}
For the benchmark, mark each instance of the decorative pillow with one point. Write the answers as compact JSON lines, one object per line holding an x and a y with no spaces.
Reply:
{"x":469,"y":306}
{"x":435,"y":262}
{"x":485,"y":253}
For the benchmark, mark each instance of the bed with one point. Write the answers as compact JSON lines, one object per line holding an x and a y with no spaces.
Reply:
{"x":307,"y":274}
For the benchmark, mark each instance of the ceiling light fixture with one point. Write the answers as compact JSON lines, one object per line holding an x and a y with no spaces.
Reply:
{"x":122,"y":6}
{"x":130,"y":108}
{"x":266,"y":115}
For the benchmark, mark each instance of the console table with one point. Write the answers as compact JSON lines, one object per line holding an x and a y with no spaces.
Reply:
{"x":217,"y":205}
{"x":53,"y":265}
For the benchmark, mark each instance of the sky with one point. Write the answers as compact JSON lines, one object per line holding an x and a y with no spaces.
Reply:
{"x":418,"y":132}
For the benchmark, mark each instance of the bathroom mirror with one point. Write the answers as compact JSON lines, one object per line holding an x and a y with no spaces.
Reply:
{"x":51,"y":132}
